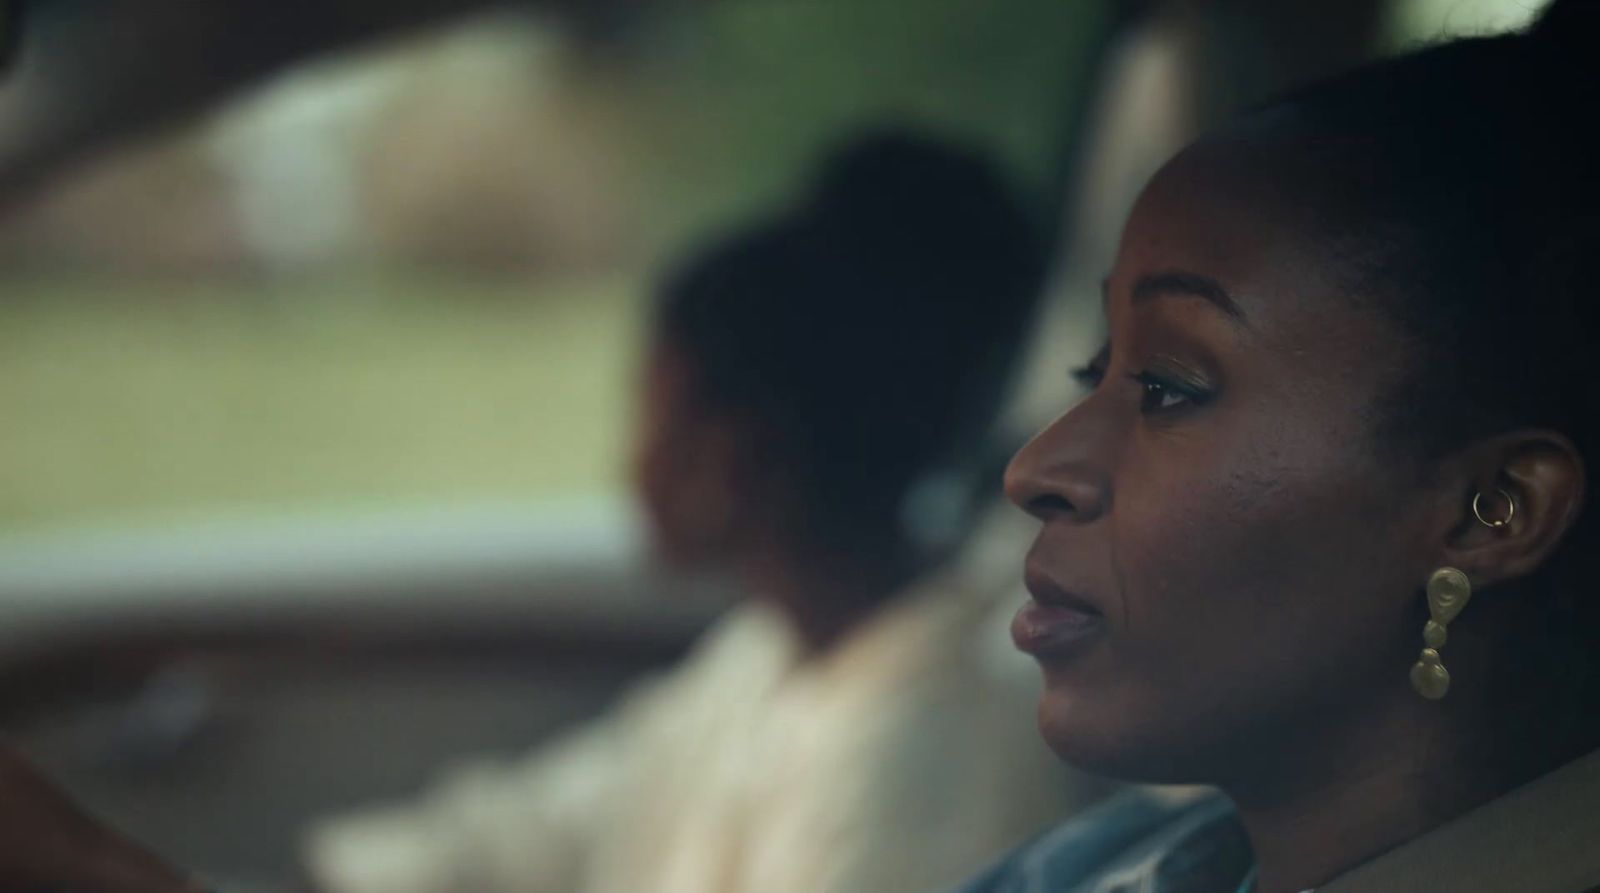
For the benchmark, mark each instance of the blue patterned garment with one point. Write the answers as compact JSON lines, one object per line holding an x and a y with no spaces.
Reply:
{"x":1137,"y":842}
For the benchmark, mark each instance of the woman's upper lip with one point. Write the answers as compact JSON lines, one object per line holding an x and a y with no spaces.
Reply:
{"x":1047,"y":591}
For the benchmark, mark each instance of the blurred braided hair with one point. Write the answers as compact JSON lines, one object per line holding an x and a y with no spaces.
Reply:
{"x":867,"y":331}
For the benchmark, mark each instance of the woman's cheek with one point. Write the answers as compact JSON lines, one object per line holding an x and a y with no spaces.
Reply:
{"x":1199,"y":558}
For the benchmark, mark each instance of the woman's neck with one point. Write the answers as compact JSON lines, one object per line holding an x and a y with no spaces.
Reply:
{"x":1306,"y":839}
{"x":1354,"y":791}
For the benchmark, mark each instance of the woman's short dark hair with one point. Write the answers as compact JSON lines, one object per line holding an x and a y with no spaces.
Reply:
{"x":866,"y":332}
{"x":1457,"y":188}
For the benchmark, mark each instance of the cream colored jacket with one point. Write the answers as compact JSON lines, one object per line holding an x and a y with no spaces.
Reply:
{"x":900,"y":762}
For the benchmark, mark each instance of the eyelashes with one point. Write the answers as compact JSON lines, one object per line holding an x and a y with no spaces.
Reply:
{"x":1160,"y":395}
{"x":1159,"y":392}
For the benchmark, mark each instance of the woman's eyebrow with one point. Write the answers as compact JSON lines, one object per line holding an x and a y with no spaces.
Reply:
{"x":1176,"y":283}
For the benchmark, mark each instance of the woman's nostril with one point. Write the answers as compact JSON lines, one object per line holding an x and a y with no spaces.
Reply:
{"x":1049,"y":505}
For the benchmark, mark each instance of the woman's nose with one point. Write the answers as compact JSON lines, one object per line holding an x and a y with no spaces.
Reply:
{"x":1053,"y":479}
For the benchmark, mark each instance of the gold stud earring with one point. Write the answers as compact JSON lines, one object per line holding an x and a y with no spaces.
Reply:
{"x":1498,"y":523}
{"x":1448,"y":592}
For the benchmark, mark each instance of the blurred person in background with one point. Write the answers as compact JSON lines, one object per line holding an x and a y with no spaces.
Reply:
{"x":815,"y":389}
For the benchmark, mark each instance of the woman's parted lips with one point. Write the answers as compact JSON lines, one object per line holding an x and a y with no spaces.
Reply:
{"x":1057,"y":623}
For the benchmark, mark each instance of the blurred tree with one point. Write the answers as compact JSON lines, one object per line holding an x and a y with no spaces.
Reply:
{"x":734,"y":97}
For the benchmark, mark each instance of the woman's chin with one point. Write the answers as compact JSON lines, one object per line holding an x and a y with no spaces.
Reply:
{"x":1069,"y":727}
{"x":1107,"y":739}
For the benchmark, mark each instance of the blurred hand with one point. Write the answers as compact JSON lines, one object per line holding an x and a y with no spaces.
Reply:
{"x":48,"y":843}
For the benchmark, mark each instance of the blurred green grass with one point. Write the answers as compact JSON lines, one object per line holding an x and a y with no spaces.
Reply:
{"x":143,"y":402}
{"x":128,"y":398}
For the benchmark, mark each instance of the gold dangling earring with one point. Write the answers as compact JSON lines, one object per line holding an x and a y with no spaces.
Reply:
{"x":1448,"y":592}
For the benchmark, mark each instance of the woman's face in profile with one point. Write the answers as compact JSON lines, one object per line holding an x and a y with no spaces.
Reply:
{"x":683,"y":462}
{"x":1230,"y":557}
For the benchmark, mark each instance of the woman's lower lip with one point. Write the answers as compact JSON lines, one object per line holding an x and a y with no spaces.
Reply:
{"x":1053,"y":630}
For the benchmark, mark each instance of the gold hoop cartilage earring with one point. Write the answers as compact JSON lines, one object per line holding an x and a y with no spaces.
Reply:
{"x":1448,"y":592}
{"x":1498,"y":523}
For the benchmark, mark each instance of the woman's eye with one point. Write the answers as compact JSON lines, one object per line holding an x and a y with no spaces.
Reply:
{"x":1157,"y":393}
{"x":1160,"y":396}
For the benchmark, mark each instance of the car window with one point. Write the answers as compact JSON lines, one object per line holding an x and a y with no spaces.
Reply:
{"x":414,"y":274}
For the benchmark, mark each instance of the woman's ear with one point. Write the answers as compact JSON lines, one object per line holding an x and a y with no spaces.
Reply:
{"x":1518,"y":496}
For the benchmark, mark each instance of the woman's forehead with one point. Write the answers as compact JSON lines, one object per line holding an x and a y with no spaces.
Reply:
{"x":1232,"y":209}
{"x":1221,"y":213}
